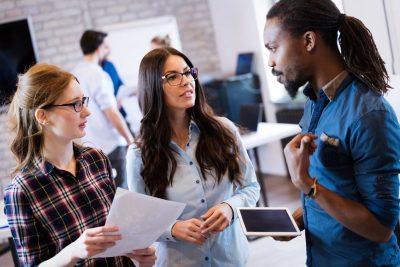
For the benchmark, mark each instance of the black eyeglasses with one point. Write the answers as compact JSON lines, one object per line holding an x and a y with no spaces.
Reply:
{"x":175,"y":78}
{"x":78,"y":105}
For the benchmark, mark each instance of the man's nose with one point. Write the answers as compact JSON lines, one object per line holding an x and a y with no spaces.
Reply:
{"x":271,"y":61}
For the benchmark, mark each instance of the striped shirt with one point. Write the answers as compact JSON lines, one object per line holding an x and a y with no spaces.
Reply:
{"x":48,"y":208}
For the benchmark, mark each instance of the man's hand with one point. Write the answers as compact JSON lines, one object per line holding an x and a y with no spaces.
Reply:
{"x":298,"y":218}
{"x":297,"y":153}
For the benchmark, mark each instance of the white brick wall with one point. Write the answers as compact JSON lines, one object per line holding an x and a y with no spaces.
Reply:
{"x":6,"y":159}
{"x":58,"y":25}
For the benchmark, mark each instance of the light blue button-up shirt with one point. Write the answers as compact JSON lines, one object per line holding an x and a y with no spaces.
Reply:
{"x":228,"y":248}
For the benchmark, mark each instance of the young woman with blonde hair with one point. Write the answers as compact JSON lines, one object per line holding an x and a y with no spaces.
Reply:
{"x":61,"y":193}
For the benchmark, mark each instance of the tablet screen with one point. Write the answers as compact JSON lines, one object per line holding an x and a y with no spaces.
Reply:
{"x":267,"y":221}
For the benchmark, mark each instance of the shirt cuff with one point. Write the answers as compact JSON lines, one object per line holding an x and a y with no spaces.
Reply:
{"x":167,"y":235}
{"x":233,"y":213}
{"x":234,"y":203}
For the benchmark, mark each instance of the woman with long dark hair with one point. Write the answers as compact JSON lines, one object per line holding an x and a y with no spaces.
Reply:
{"x":58,"y":201}
{"x":185,"y":153}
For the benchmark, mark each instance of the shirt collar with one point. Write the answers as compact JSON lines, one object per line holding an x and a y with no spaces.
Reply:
{"x":193,"y":128}
{"x":47,"y":167}
{"x":330,"y":89}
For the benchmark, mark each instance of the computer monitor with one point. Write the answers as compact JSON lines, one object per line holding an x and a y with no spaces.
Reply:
{"x":17,"y":54}
{"x":244,"y":63}
{"x":250,"y":116}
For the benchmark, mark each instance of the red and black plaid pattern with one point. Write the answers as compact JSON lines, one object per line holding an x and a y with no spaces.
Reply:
{"x":48,"y":208}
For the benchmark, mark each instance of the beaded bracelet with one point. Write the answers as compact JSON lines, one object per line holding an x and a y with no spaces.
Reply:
{"x":313,"y":190}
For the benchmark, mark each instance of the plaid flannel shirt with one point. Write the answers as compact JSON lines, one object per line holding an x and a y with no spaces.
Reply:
{"x":48,"y":208}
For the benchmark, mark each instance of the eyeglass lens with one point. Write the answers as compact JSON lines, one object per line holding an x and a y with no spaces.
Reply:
{"x":78,"y":105}
{"x":175,"y":78}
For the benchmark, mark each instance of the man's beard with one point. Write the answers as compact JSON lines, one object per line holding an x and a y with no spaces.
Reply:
{"x":289,"y":86}
{"x":293,"y":86}
{"x":292,"y":89}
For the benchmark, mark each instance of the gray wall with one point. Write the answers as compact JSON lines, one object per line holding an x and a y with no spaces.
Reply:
{"x":58,"y":25}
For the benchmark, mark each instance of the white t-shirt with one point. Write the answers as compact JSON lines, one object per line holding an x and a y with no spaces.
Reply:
{"x":97,"y":85}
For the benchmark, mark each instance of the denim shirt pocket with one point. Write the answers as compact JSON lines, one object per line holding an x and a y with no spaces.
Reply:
{"x":330,"y":152}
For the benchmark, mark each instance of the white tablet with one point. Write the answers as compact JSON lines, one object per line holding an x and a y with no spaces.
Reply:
{"x":266,"y":221}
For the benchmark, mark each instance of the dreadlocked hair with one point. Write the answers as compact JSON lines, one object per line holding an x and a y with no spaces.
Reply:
{"x":361,"y":54}
{"x":357,"y":46}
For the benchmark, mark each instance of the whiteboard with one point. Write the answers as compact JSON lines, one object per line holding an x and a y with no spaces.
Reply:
{"x":129,"y":42}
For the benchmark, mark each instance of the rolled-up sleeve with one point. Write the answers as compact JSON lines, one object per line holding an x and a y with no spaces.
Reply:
{"x":375,"y":147}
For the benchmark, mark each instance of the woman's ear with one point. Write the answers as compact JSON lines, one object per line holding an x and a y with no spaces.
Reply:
{"x":41,"y":117}
{"x":310,"y":39}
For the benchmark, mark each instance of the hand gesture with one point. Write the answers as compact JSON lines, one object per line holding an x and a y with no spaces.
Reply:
{"x":144,"y":257}
{"x":189,"y":231}
{"x":93,"y":241}
{"x":297,"y":153}
{"x":216,"y":219}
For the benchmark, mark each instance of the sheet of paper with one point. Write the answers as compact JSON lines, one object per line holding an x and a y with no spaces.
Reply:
{"x":141,"y":220}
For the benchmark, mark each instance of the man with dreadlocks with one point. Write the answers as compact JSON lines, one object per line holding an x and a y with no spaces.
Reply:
{"x":347,"y":160}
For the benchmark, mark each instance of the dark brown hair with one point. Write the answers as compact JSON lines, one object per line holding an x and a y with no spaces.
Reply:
{"x":357,"y":46}
{"x":91,"y":40}
{"x":217,"y":150}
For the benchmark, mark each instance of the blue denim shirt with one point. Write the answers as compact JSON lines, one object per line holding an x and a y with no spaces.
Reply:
{"x":358,"y":157}
{"x":228,"y":248}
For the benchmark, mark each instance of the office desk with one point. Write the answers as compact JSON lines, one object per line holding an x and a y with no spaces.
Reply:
{"x":266,"y":133}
